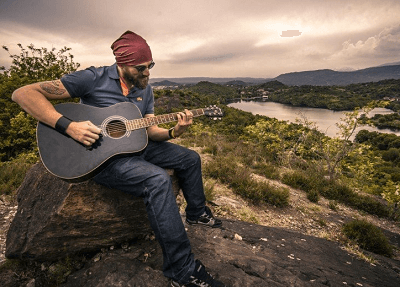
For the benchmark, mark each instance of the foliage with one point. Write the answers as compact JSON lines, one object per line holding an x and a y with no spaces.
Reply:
{"x":29,"y":66}
{"x":311,"y":183}
{"x":330,"y":153}
{"x":238,"y":177}
{"x":344,"y":194}
{"x":387,"y":121}
{"x":391,"y":193}
{"x":223,"y":93}
{"x":281,"y":140}
{"x":368,"y":237}
{"x":12,"y":173}
{"x":338,"y":98}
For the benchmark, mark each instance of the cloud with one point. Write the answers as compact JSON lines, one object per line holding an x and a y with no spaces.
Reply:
{"x":209,"y":38}
{"x":383,"y":46}
{"x":291,"y":33}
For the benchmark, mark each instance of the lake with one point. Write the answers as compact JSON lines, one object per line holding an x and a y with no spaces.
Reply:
{"x":324,"y":119}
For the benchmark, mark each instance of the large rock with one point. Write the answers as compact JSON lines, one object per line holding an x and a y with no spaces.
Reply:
{"x":56,"y":218}
{"x":242,"y":254}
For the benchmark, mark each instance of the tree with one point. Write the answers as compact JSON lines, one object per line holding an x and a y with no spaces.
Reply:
{"x":330,"y":152}
{"x":29,"y":66}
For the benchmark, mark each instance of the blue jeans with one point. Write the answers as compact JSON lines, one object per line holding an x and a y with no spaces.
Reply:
{"x":143,"y":175}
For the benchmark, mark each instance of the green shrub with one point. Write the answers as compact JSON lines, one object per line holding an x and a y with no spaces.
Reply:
{"x":370,"y":205}
{"x":298,"y":180}
{"x":346,"y":195}
{"x":338,"y":192}
{"x":12,"y":173}
{"x":333,"y":205}
{"x":267,"y":170}
{"x":313,"y":195}
{"x":238,"y":177}
{"x":368,"y":237}
{"x":209,"y":190}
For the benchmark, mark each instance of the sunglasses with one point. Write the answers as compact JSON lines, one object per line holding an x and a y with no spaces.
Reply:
{"x":142,"y":68}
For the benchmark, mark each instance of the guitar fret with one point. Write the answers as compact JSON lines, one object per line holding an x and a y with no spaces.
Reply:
{"x":147,"y":122}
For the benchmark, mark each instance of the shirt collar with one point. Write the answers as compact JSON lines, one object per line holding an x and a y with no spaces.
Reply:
{"x":113,"y":72}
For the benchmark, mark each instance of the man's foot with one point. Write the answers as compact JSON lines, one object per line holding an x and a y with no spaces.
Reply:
{"x":200,"y":277}
{"x":206,"y":218}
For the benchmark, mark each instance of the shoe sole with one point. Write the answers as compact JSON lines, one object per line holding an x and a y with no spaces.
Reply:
{"x":204,"y":224}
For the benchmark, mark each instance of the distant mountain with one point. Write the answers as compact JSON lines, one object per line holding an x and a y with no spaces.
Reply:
{"x":390,"y":64}
{"x":195,"y":80}
{"x":236,"y":83}
{"x":314,"y":78}
{"x":336,"y":78}
{"x":165,"y":83}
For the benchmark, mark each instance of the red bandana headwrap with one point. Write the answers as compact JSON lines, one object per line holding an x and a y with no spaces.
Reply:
{"x":131,"y":49}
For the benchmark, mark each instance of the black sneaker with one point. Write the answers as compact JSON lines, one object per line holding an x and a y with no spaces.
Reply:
{"x":200,"y":277}
{"x":206,"y":218}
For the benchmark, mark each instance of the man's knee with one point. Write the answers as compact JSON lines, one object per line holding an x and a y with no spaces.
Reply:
{"x":193,"y":157}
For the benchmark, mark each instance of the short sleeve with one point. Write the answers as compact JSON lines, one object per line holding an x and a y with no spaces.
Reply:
{"x":80,"y":83}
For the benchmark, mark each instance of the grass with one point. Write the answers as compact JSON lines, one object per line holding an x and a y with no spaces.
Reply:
{"x":334,"y":191}
{"x":238,"y":177}
{"x":368,"y":237}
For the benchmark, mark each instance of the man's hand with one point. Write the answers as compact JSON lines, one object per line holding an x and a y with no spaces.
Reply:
{"x":185,"y":119}
{"x":84,"y":132}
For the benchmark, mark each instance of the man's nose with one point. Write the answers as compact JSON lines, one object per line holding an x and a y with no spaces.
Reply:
{"x":146,"y":72}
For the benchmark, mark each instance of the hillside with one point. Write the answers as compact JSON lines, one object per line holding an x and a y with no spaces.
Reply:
{"x":164,"y":83}
{"x":324,"y":77}
{"x":195,"y":80}
{"x":335,"y":78}
{"x":300,"y":243}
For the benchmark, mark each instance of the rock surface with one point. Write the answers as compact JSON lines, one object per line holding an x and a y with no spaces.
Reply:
{"x":239,"y":254}
{"x":56,"y":218}
{"x":242,"y":254}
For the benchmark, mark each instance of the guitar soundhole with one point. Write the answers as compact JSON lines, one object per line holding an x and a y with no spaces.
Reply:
{"x":116,"y":129}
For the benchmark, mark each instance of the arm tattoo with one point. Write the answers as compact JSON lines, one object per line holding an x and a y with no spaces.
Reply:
{"x":53,"y":88}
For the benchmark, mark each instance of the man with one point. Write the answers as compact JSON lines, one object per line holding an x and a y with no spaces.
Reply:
{"x":140,"y":174}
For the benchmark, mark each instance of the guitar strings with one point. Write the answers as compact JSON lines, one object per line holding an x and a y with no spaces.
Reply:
{"x":119,"y":126}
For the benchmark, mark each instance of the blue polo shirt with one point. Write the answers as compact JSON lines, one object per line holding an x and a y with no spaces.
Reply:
{"x":101,"y":87}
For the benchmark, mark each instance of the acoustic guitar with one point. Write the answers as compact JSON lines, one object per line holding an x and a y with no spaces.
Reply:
{"x":123,"y":131}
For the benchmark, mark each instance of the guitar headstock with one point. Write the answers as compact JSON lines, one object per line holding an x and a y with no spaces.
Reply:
{"x":213,"y":112}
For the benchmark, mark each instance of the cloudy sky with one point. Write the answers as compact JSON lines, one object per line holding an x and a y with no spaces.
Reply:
{"x":213,"y":38}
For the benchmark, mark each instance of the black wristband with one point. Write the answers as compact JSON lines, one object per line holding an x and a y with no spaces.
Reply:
{"x":62,"y":124}
{"x":171,"y":133}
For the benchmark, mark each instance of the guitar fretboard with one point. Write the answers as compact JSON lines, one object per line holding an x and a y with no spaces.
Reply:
{"x":151,"y":121}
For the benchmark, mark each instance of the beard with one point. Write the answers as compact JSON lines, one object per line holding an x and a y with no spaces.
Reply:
{"x":140,"y":81}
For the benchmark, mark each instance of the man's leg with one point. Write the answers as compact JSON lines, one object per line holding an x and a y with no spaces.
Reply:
{"x":187,"y":166}
{"x":140,"y":178}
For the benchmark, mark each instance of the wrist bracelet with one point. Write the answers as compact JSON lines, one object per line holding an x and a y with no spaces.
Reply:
{"x":171,"y":133}
{"x":62,"y":124}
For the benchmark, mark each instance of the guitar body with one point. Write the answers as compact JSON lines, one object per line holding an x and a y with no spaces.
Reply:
{"x":73,"y":161}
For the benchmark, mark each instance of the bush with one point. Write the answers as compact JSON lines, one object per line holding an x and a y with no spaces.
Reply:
{"x":315,"y":186}
{"x":238,"y":177}
{"x":346,"y":195}
{"x":313,"y":196}
{"x":338,"y":192}
{"x":298,"y":180}
{"x":368,"y":237}
{"x":267,"y":170}
{"x":12,"y":173}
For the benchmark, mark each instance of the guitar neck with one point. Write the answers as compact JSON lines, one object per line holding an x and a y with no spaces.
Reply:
{"x":162,"y":119}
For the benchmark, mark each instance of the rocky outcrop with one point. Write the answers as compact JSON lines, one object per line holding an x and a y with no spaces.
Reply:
{"x":56,"y":218}
{"x":242,"y":254}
